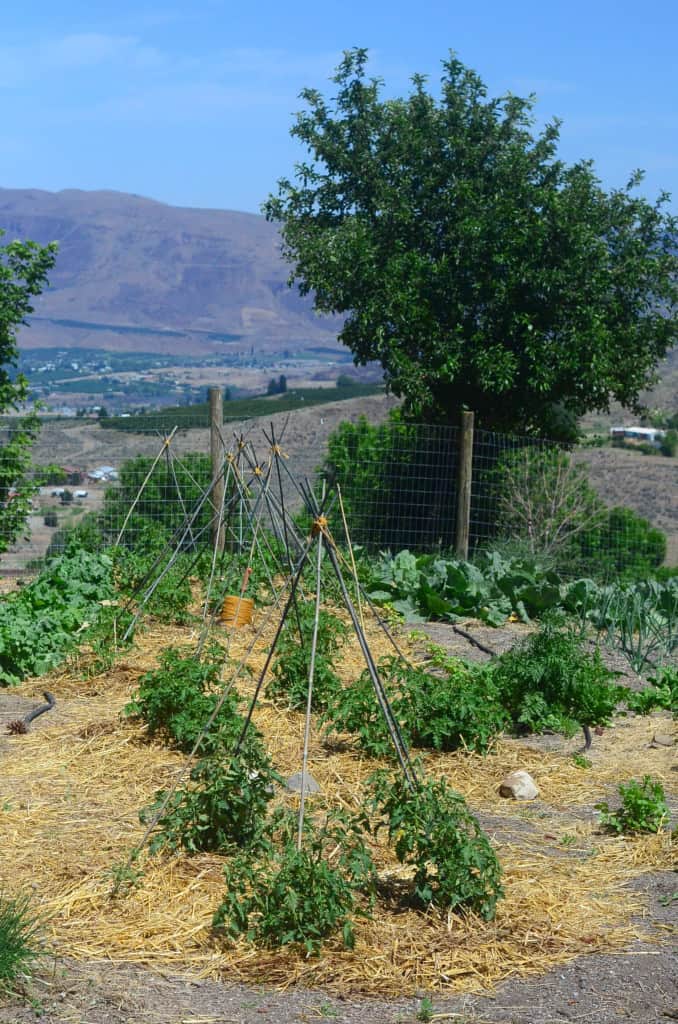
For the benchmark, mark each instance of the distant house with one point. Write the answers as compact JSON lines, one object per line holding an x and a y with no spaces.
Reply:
{"x":639,"y":435}
{"x":74,"y":476}
{"x":102,"y":474}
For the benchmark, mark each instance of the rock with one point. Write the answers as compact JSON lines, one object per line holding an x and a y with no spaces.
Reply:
{"x":662,"y":740}
{"x":519,"y":785}
{"x":293,"y":784}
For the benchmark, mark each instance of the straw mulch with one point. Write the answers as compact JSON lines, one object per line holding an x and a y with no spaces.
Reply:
{"x":71,"y":790}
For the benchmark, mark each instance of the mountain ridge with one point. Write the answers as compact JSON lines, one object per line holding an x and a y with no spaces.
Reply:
{"x":127,"y":261}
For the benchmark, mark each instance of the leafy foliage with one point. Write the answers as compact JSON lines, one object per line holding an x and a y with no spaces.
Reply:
{"x":491,"y":588}
{"x":455,"y":707}
{"x":282,"y":895}
{"x":550,"y":682}
{"x":177,"y":699}
{"x":643,"y":808}
{"x":661,"y":693}
{"x":291,"y":667}
{"x":224,"y":806}
{"x":436,"y":834}
{"x":24,"y":267}
{"x":41,"y":623}
{"x":473,"y":263}
{"x":19,"y":930}
{"x":142,"y":573}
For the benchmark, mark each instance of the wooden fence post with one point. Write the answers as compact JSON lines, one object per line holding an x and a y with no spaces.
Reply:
{"x":217,"y":458}
{"x":464,"y":477}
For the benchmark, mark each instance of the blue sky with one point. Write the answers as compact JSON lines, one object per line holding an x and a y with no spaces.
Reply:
{"x":191,"y":101}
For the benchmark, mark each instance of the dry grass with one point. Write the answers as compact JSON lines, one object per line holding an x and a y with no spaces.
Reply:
{"x":69,"y":801}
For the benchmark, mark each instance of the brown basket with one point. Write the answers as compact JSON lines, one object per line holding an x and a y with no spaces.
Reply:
{"x":237,"y":611}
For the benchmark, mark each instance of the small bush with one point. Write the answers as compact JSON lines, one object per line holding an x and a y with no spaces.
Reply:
{"x":550,"y":682}
{"x":454,"y":708}
{"x":51,"y":519}
{"x":224,"y":805}
{"x":177,"y":699}
{"x":436,"y":834}
{"x":290,"y":896}
{"x":643,"y":808}
{"x":18,"y":937}
{"x":290,"y":670}
{"x":623,"y":544}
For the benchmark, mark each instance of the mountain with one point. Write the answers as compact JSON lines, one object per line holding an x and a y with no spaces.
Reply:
{"x":134,"y":274}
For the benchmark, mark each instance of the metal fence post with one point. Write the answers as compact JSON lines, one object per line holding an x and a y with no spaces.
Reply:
{"x":465,"y":474}
{"x":217,"y":457}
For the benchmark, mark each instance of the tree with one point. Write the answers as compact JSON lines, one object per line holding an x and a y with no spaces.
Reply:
{"x":471,"y":261}
{"x":24,"y":267}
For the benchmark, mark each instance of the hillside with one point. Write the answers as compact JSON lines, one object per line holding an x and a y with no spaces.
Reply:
{"x":138,"y":275}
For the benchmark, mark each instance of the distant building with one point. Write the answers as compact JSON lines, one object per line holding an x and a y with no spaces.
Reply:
{"x":646,"y":435}
{"x":102,"y":474}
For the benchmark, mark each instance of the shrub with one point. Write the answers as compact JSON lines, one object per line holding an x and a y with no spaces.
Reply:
{"x":285,"y":896}
{"x":436,"y":834}
{"x":643,"y":808}
{"x":224,"y":805}
{"x":456,"y":707}
{"x":669,"y":444}
{"x":177,"y":699}
{"x":623,"y":544}
{"x":51,"y":519}
{"x":544,"y":499}
{"x":19,"y":930}
{"x":291,"y":667}
{"x":550,"y":682}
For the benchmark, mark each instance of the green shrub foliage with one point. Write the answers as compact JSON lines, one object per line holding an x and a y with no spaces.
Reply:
{"x":290,"y":672}
{"x":224,"y":805}
{"x":643,"y":808}
{"x":284,"y":896}
{"x":550,"y":682}
{"x":45,"y":620}
{"x":453,"y":706}
{"x":454,"y":864}
{"x":177,"y":699}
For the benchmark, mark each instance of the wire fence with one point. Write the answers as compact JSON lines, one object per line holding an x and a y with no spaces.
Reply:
{"x":399,"y":486}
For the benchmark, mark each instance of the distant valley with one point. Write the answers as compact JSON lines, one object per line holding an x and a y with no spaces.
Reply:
{"x":148,"y":303}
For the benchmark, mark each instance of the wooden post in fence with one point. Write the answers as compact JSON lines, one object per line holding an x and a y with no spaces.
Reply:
{"x":464,"y":475}
{"x":217,"y":457}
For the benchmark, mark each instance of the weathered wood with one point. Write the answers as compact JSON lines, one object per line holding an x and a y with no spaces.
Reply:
{"x":464,"y":479}
{"x":217,"y":458}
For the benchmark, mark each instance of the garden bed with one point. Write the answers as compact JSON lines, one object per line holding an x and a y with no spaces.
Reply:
{"x":72,"y":789}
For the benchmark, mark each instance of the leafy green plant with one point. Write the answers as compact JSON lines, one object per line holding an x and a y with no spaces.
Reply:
{"x":550,"y":682}
{"x":453,"y":706}
{"x":425,"y":1011}
{"x":282,"y":896}
{"x":19,"y":931}
{"x":436,"y":834}
{"x":224,"y":805}
{"x":643,"y":808}
{"x":142,"y":573}
{"x":177,"y":699}
{"x":661,"y":693}
{"x":45,"y":620}
{"x":289,"y":677}
{"x":640,"y":619}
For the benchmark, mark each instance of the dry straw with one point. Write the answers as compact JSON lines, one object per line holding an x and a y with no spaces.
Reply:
{"x":69,"y":801}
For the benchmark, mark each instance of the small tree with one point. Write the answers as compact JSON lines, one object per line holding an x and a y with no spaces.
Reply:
{"x":544,"y":500}
{"x":24,"y":267}
{"x":470,"y":260}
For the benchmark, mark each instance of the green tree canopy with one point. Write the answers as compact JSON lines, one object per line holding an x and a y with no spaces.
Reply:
{"x":23,"y":274}
{"x":472,"y":262}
